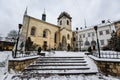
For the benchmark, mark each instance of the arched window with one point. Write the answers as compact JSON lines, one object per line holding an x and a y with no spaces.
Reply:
{"x":55,"y":38}
{"x":44,"y":34}
{"x":61,"y":22}
{"x":87,"y":43}
{"x":93,"y":42}
{"x":68,"y":36}
{"x":33,"y":29}
{"x":67,"y":22}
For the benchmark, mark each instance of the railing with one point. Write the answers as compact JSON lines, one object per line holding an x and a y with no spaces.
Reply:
{"x":108,"y":55}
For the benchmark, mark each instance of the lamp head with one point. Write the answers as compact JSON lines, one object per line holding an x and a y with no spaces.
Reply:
{"x":20,"y":26}
{"x":95,"y":28}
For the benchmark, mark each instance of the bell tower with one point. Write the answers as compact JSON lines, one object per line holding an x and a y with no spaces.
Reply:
{"x":64,"y":20}
{"x":44,"y":16}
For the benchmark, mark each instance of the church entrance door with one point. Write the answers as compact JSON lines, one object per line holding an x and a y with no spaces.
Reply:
{"x":64,"y":43}
{"x":45,"y":45}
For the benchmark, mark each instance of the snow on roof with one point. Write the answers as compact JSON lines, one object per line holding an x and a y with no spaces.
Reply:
{"x":99,"y":25}
{"x":64,"y":14}
{"x":6,"y":39}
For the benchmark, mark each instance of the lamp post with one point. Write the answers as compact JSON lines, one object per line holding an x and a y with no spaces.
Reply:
{"x":20,"y":26}
{"x":77,"y":39}
{"x":74,"y":43}
{"x":80,"y":43}
{"x":95,"y":28}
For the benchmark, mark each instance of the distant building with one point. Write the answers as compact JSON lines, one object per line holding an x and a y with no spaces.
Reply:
{"x":5,"y":45}
{"x":86,"y":37}
{"x":117,"y":25}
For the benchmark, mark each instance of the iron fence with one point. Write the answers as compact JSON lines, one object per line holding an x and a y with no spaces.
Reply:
{"x":108,"y":55}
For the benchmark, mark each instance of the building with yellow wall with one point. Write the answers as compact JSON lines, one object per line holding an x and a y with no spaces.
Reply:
{"x":117,"y":26}
{"x":6,"y":45}
{"x":47,"y":35}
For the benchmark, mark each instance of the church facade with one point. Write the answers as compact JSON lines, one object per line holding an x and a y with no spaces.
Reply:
{"x":47,"y":35}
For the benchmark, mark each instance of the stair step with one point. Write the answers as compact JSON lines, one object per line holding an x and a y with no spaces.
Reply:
{"x":63,"y":73}
{"x":32,"y":74}
{"x":63,"y":57}
{"x":59,"y":59}
{"x":62,"y":62}
{"x":80,"y":71}
{"x":32,"y":69}
{"x":57,"y":65}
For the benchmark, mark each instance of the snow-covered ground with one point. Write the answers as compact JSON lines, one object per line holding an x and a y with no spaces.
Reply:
{"x":73,"y":77}
{"x":5,"y":56}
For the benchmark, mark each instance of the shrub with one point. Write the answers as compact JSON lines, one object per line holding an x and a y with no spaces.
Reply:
{"x":105,"y":48}
{"x":89,"y":50}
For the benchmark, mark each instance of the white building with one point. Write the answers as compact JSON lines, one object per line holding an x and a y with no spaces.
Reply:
{"x":86,"y":37}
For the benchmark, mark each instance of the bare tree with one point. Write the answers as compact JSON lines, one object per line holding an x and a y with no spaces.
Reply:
{"x":12,"y":35}
{"x":1,"y":37}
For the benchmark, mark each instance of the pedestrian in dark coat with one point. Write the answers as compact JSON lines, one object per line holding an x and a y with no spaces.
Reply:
{"x":68,"y":47}
{"x":39,"y":49}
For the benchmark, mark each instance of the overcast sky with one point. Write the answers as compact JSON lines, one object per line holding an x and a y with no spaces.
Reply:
{"x":93,"y":11}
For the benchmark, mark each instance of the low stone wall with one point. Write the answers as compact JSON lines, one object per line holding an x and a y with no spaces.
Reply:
{"x":20,"y":64}
{"x":108,"y":66}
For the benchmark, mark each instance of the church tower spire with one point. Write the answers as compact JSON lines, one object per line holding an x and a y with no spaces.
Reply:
{"x":44,"y":16}
{"x":25,"y":12}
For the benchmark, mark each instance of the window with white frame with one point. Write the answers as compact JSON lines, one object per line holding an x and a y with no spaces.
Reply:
{"x":108,"y":41}
{"x":80,"y":36}
{"x":107,"y":31}
{"x":88,"y":34}
{"x":100,"y":32}
{"x":93,"y":34}
{"x":83,"y":35}
{"x":102,"y":42}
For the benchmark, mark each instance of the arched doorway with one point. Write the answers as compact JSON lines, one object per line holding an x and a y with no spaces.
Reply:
{"x":46,"y":42}
{"x":87,"y":44}
{"x":64,"y":43}
{"x":93,"y":44}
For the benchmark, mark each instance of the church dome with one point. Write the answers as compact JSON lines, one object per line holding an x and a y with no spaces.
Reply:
{"x":64,"y":14}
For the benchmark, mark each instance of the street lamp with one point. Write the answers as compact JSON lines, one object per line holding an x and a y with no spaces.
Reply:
{"x":80,"y":43}
{"x":77,"y":38}
{"x":95,"y":28}
{"x":20,"y":26}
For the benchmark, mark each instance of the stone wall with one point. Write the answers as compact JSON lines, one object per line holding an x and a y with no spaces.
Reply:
{"x":19,"y":65}
{"x":108,"y":68}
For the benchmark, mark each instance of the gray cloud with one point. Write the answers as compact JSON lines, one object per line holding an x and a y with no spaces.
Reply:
{"x":11,"y":12}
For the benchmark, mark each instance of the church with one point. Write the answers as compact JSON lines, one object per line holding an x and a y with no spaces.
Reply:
{"x":48,"y":35}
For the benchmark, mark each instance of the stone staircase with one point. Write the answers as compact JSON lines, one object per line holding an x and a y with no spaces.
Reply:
{"x":59,"y":65}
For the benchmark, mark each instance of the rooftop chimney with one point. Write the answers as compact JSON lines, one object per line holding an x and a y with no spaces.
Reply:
{"x":103,"y":21}
{"x":76,"y":28}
